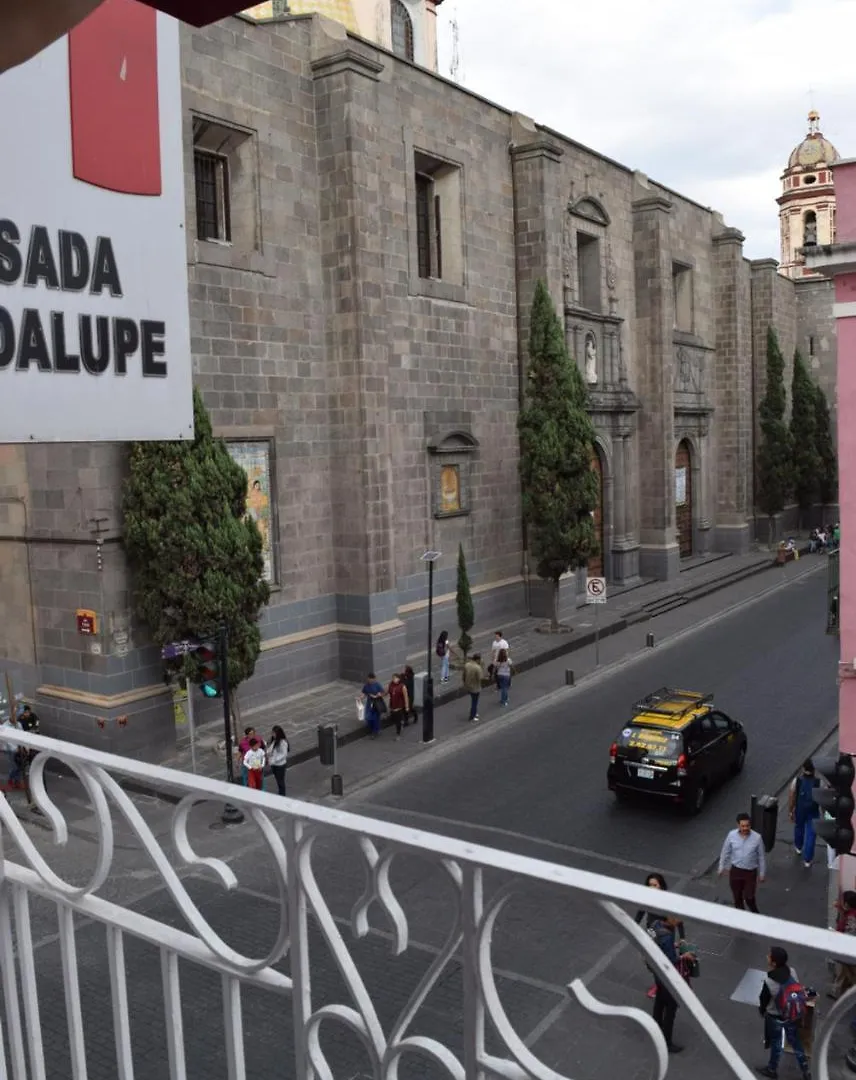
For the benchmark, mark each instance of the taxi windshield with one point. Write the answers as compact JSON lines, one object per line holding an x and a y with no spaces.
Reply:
{"x":651,"y":742}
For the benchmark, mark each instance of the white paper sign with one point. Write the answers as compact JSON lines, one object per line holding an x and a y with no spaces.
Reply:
{"x":681,"y":486}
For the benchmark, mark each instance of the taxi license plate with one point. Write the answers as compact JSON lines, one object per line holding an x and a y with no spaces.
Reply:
{"x":645,"y":774}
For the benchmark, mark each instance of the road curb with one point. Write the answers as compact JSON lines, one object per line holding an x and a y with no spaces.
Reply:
{"x":561,"y":649}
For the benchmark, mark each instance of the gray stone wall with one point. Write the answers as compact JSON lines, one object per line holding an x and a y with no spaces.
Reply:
{"x":312,"y":329}
{"x":816,"y":336}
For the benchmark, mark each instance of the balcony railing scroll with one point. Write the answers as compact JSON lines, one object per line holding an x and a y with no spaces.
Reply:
{"x":482,"y":881}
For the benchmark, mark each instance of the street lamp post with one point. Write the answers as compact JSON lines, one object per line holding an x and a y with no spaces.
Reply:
{"x":429,"y":557}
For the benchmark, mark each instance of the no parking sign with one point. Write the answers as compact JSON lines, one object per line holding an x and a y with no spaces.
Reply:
{"x":595,"y":590}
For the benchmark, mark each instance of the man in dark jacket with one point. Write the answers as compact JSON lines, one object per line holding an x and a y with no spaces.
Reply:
{"x":776,"y":1028}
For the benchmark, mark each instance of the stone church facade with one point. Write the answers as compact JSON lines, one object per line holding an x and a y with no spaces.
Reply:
{"x":364,"y":240}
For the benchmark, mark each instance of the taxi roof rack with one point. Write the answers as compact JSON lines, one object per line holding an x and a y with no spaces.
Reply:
{"x":662,"y":702}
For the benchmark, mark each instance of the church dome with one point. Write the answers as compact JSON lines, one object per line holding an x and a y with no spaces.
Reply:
{"x":814,"y":150}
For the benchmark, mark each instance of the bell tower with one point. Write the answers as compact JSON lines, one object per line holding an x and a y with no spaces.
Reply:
{"x":807,"y":202}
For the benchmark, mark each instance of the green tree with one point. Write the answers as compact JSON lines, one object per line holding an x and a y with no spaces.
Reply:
{"x":559,"y":488}
{"x":774,"y":455}
{"x":195,"y":556}
{"x":803,"y":434}
{"x":828,"y":468}
{"x":464,"y":602}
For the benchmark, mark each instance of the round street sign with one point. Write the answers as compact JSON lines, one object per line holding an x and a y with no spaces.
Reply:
{"x":595,"y":590}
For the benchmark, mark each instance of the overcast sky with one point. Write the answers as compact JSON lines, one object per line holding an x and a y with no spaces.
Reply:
{"x":708,"y":97}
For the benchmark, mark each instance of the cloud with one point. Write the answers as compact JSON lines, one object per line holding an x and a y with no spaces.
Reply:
{"x":707,"y":98}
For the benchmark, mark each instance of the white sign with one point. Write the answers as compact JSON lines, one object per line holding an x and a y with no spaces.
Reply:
{"x":681,"y":486}
{"x":94,"y":328}
{"x":595,"y":590}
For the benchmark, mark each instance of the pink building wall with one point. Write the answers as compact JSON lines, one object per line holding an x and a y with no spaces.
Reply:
{"x":839,"y":262}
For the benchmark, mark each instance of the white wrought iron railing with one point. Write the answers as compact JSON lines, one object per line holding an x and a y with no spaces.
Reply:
{"x":481,"y":879}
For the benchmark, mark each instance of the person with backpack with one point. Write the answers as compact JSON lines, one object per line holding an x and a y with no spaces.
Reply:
{"x":668,"y":932}
{"x":782,"y":1003}
{"x":803,"y":810}
{"x":444,"y":651}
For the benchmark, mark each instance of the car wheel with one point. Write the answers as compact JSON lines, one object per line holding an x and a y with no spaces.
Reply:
{"x":698,"y":799}
{"x":740,"y":761}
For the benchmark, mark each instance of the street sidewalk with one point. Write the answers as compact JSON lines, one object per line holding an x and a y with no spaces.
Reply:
{"x":706,"y":592}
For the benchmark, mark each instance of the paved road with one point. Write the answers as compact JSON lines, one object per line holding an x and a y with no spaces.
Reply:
{"x":538,"y":786}
{"x":535,"y":784}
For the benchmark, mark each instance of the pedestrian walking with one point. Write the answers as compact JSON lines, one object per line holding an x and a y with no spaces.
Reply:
{"x":375,"y":704}
{"x":743,"y":858}
{"x":499,"y":643}
{"x":803,"y":810}
{"x":408,"y":677}
{"x":278,"y":756}
{"x":668,"y":933}
{"x":28,"y":722}
{"x":11,"y":749}
{"x":399,"y":703}
{"x":504,"y":671}
{"x":782,"y":1004}
{"x":254,"y":763}
{"x":472,"y":677}
{"x":444,"y":651}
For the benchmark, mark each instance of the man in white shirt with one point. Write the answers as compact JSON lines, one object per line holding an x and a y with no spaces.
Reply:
{"x":499,"y":643}
{"x":744,"y":860}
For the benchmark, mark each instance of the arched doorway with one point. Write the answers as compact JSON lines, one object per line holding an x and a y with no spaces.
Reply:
{"x":596,"y":563}
{"x":684,"y":499}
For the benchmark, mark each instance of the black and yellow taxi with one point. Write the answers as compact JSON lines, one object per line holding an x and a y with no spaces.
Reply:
{"x":677,"y":746}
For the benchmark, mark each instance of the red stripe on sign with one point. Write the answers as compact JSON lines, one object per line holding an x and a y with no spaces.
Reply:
{"x":113,"y":84}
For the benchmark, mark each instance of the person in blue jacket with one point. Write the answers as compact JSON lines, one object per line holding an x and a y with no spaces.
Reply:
{"x":804,"y":811}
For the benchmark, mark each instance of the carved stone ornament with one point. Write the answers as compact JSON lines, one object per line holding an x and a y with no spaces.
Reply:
{"x":591,"y":360}
{"x":689,"y":370}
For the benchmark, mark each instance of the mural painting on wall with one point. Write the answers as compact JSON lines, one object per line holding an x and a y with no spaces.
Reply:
{"x":450,"y":489}
{"x":254,"y":459}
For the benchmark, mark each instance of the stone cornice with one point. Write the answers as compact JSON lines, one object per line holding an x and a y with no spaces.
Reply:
{"x":541,"y":148}
{"x":347,"y":60}
{"x":651,"y":202}
{"x":729,"y":236}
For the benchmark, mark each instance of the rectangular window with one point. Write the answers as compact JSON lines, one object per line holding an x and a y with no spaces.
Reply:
{"x":213,"y":219}
{"x":439,"y":232}
{"x":588,"y":269}
{"x":682,"y":290}
{"x":424,"y":230}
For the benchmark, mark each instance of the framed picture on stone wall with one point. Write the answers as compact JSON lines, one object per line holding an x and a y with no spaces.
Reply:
{"x":254,"y":457}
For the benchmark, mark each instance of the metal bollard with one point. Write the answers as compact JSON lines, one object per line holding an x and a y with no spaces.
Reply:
{"x":569,"y":677}
{"x":649,"y":641}
{"x":336,"y":785}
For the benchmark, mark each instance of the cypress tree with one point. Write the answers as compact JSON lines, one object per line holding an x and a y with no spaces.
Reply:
{"x":803,"y":433}
{"x":464,"y":602}
{"x":195,"y":556}
{"x":774,"y":454}
{"x":828,"y":468}
{"x":559,"y":488}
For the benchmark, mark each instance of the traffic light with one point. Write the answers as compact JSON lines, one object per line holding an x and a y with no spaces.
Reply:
{"x":836,"y":800}
{"x":210,"y":682}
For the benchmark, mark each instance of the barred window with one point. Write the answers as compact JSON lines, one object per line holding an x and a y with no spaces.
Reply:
{"x":402,"y":30}
{"x":211,"y":174}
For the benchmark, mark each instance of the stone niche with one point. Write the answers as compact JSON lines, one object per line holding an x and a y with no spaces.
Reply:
{"x":452,"y":451}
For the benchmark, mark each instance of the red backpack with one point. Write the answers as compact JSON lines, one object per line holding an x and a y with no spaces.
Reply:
{"x":791,"y":1002}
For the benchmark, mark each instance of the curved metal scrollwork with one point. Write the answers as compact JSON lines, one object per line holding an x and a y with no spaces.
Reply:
{"x":468,"y":940}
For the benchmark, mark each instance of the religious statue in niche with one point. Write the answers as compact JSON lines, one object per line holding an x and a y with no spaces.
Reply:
{"x":450,"y":489}
{"x":810,"y":236}
{"x":591,"y":360}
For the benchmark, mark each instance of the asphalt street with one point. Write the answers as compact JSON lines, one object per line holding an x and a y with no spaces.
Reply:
{"x":535,"y":784}
{"x":539,"y":785}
